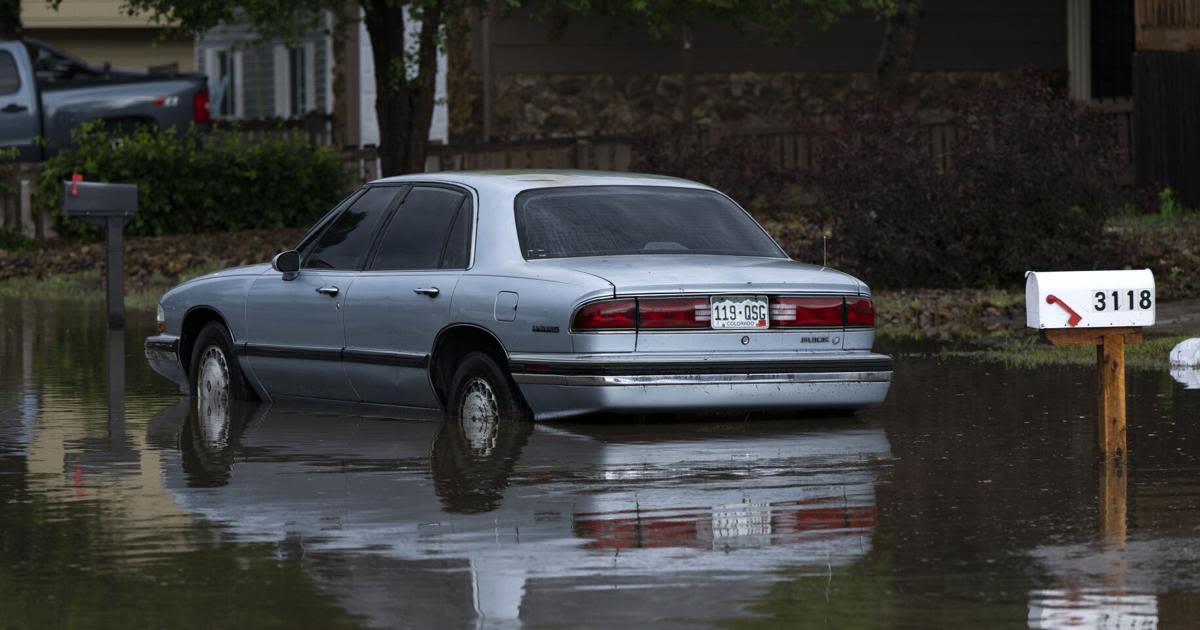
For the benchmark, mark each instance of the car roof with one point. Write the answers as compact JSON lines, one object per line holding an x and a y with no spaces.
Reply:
{"x":513,"y":181}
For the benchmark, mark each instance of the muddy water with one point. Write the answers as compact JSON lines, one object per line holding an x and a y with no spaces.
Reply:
{"x":971,"y":499}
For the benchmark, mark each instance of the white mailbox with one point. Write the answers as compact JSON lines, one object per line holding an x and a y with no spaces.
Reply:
{"x":1089,"y":299}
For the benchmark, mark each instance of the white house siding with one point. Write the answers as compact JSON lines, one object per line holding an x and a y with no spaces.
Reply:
{"x":261,"y":67}
{"x":263,"y":81}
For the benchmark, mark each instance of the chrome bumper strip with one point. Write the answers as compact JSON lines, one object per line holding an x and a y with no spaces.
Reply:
{"x":702,"y":379}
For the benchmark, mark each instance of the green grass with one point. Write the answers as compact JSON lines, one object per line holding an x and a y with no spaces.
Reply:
{"x":1034,"y":353}
{"x":948,"y":314}
{"x":88,"y":286}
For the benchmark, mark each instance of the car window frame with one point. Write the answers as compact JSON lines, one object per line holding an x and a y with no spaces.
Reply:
{"x":330,"y":218}
{"x":469,"y":198}
{"x":319,"y":227}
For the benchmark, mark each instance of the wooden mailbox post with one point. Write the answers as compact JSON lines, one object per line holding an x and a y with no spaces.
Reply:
{"x":1106,"y":309}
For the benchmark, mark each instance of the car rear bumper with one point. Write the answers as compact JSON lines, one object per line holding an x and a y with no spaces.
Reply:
{"x":557,"y":387}
{"x":162,"y":352}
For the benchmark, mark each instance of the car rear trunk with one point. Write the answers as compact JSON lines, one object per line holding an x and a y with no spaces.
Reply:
{"x":689,"y":274}
{"x":702,"y":275}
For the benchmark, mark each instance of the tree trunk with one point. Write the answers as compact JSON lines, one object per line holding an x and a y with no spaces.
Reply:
{"x":403,"y":103}
{"x":10,"y":19}
{"x":899,"y":44}
{"x":344,"y":39}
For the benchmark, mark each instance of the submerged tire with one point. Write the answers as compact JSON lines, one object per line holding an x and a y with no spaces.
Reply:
{"x":215,"y":378}
{"x":482,"y":394}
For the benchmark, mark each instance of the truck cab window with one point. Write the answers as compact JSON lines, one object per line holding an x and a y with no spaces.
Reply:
{"x":10,"y":79}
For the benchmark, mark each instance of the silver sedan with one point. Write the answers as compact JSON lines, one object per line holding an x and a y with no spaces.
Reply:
{"x":529,"y":294}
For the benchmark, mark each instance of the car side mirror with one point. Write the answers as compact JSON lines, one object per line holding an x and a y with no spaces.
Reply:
{"x":287,"y":263}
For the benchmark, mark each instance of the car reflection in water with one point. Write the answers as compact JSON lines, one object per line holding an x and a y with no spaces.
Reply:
{"x":432,"y":523}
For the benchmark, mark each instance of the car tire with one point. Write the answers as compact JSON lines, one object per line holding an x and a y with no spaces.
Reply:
{"x":214,"y":370}
{"x":481,"y":391}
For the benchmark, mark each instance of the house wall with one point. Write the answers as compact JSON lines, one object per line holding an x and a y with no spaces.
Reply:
{"x":604,"y":79}
{"x":133,"y":48}
{"x":99,"y":32}
{"x":259,"y":86}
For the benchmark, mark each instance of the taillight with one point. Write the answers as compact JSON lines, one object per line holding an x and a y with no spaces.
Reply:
{"x":806,"y":312}
{"x":200,"y":113}
{"x":696,"y":312}
{"x":607,"y":315}
{"x":674,"y":313}
{"x":860,"y":312}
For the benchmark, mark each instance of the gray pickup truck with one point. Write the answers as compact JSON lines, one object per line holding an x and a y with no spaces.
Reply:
{"x":46,"y":93}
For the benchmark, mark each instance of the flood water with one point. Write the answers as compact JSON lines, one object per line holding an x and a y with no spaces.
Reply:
{"x":971,"y":499}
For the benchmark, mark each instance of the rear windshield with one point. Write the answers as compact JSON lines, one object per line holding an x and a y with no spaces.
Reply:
{"x":632,"y":220}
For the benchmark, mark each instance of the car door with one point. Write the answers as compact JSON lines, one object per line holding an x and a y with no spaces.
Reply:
{"x":18,"y":100}
{"x":295,"y":332}
{"x":402,"y":300}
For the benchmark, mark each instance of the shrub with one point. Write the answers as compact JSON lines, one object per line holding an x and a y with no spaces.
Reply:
{"x":1169,"y":207}
{"x":199,"y":181}
{"x":732,"y":164}
{"x":1032,"y":178}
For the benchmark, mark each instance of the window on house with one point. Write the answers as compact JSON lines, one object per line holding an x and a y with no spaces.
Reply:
{"x":1113,"y":33}
{"x":225,"y":86}
{"x":298,"y":68}
{"x":226,"y":78}
{"x":295,"y":80}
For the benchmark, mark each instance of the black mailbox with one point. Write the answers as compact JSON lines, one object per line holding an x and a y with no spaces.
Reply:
{"x":109,"y":205}
{"x":93,"y":200}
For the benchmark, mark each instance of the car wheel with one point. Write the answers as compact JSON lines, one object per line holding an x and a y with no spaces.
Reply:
{"x":482,"y":395}
{"x":216,"y":377}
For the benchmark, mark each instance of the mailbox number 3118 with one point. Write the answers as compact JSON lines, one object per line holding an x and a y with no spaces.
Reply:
{"x":1122,"y":300}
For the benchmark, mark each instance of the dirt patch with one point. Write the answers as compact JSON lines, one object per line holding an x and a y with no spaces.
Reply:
{"x":156,"y":259}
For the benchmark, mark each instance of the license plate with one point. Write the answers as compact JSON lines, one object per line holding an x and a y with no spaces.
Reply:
{"x":739,"y":311}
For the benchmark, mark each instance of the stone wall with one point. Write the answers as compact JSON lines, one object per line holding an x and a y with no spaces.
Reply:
{"x":573,"y":105}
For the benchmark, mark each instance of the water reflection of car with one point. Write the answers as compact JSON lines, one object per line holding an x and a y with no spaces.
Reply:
{"x":546,"y":293}
{"x":535,"y":509}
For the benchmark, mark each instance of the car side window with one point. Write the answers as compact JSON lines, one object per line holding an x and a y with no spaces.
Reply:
{"x":346,"y":241}
{"x":10,"y":79}
{"x":417,"y":235}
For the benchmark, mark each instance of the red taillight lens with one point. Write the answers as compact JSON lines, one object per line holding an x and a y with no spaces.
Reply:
{"x":607,"y":315}
{"x":801,"y":312}
{"x":200,"y":113}
{"x":860,"y":312}
{"x":673,"y":313}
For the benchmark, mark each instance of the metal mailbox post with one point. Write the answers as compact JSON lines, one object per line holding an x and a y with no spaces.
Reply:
{"x":111,"y":206}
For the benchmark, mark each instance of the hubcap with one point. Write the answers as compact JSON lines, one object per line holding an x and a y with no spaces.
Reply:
{"x":212,"y":395}
{"x":479,"y":415}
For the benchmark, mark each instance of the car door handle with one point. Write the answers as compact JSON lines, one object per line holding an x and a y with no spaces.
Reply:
{"x":430,"y":291}
{"x":14,"y":108}
{"x":330,"y":291}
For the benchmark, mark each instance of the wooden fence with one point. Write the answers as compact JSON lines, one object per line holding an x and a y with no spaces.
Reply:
{"x":315,"y":128}
{"x":782,"y":148}
{"x":1167,"y":125}
{"x":1168,"y":25}
{"x":605,"y":154}
{"x":16,"y":207}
